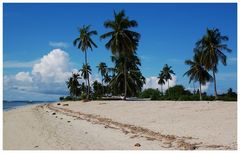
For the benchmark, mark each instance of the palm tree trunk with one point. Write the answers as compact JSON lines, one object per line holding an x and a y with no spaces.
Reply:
{"x":125,"y":78}
{"x":88,"y":88}
{"x":88,"y":84}
{"x":85,"y":57}
{"x":215,"y":86}
{"x":161,"y":89}
{"x":200,"y":91}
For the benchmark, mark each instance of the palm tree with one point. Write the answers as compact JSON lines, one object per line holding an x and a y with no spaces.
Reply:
{"x":102,"y":68}
{"x":85,"y":72}
{"x":212,"y":45}
{"x":161,"y":81}
{"x":84,"y":41}
{"x":197,"y":72}
{"x":73,"y":84}
{"x":106,"y":78}
{"x":135,"y":79}
{"x":166,"y":73}
{"x":123,"y":41}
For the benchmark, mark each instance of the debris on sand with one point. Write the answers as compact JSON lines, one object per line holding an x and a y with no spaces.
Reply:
{"x":134,"y":136}
{"x":53,"y":113}
{"x":65,"y":105}
{"x":137,"y":145}
{"x":58,"y":104}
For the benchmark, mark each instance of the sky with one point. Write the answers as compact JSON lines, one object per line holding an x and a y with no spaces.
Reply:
{"x":39,"y":56}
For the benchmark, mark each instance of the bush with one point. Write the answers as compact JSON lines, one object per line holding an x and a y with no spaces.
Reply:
{"x":68,"y":98}
{"x":61,"y":98}
{"x":83,"y":96}
{"x":177,"y":91}
{"x":154,"y":94}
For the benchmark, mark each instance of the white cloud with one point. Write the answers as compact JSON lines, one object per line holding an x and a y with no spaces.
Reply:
{"x":19,"y":64}
{"x":54,"y":67}
{"x":48,"y":77}
{"x":23,"y":76}
{"x":203,"y":87}
{"x":58,"y":44}
{"x":152,"y":82}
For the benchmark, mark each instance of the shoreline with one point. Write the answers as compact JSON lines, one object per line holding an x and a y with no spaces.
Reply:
{"x":147,"y":124}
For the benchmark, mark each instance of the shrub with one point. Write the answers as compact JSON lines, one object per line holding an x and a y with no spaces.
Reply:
{"x":61,"y":98}
{"x":177,"y":91}
{"x":68,"y":98}
{"x":154,"y":94}
{"x":83,"y":96}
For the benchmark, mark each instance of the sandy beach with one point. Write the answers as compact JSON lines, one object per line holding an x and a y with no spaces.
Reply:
{"x":118,"y":125}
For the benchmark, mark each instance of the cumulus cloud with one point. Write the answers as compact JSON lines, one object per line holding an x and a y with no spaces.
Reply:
{"x":54,"y":67}
{"x":23,"y":76}
{"x":48,"y":76}
{"x":205,"y":87}
{"x":152,"y":82}
{"x":58,"y":44}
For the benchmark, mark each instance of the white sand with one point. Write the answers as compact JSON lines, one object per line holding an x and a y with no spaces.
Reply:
{"x":154,"y":125}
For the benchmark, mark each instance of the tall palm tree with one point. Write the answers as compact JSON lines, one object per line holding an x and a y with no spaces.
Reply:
{"x":84,"y":42}
{"x":73,"y":84}
{"x":161,"y":81}
{"x":212,"y":45}
{"x":197,"y":72}
{"x":85,"y":72}
{"x":122,"y":40}
{"x":166,"y":72}
{"x":102,"y":68}
{"x":135,"y":79}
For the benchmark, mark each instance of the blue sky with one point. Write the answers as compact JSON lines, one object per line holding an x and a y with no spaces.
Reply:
{"x":168,"y":34}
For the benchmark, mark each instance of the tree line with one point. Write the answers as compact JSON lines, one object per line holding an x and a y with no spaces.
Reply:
{"x":125,"y":78}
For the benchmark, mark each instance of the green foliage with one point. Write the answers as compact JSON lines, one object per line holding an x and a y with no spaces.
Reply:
{"x":177,"y":91}
{"x":123,"y":42}
{"x":229,"y":96}
{"x":68,"y":98}
{"x":154,"y":94}
{"x":98,"y":90}
{"x":61,"y":98}
{"x":83,"y":96}
{"x":73,"y":85}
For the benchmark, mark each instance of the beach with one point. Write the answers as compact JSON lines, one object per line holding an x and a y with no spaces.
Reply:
{"x":122,"y":125}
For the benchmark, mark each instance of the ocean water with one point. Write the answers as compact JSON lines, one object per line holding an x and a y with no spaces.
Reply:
{"x":8,"y":105}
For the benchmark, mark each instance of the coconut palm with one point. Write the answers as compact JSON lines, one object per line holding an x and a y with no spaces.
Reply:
{"x":73,"y":84}
{"x":161,"y":81}
{"x":197,"y":72}
{"x":166,"y":73}
{"x":84,"y":42}
{"x":123,"y":41}
{"x":85,"y":72}
{"x":102,"y":68}
{"x":135,"y":80}
{"x":212,"y":44}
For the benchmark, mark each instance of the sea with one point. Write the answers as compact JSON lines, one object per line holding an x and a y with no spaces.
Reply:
{"x":8,"y":105}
